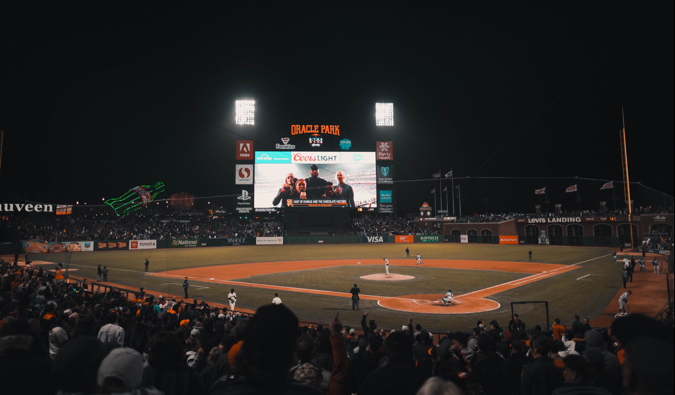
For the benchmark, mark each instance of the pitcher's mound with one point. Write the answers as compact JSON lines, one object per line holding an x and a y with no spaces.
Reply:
{"x":384,"y":277}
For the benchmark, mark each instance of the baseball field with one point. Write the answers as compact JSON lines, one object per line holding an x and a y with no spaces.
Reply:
{"x":314,"y":280}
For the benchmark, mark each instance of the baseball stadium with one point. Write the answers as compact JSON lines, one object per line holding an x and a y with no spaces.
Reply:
{"x":304,"y":199}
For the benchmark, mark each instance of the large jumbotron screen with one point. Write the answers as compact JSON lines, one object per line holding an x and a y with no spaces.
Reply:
{"x":321,"y":173}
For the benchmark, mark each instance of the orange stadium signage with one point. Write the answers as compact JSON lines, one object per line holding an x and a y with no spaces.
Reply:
{"x":405,"y":239}
{"x":325,"y":129}
{"x":508,"y":239}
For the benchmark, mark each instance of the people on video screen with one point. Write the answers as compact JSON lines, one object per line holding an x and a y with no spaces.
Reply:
{"x":314,"y":187}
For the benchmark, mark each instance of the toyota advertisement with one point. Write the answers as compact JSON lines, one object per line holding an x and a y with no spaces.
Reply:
{"x":315,"y":179}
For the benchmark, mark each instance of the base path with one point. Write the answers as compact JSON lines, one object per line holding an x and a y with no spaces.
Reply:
{"x":473,"y":302}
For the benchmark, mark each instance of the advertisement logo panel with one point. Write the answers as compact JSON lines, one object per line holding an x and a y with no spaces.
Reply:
{"x":357,"y":157}
{"x":464,"y":239}
{"x":269,"y":240}
{"x":244,"y":175}
{"x":244,"y":150}
{"x":386,"y":196}
{"x":372,"y":239}
{"x":404,"y":239}
{"x":429,"y":239}
{"x":86,"y":245}
{"x":243,"y":204}
{"x":385,"y":174}
{"x":272,"y":157}
{"x":112,"y":245}
{"x":184,"y":243}
{"x":508,"y":239}
{"x":385,"y":150}
{"x":142,"y":244}
{"x":315,"y":157}
{"x":285,"y":145}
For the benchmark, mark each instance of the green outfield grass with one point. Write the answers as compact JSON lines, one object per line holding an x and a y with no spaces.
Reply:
{"x":566,"y":295}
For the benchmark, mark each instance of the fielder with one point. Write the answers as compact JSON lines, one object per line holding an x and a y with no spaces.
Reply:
{"x":448,"y":298}
{"x":232,"y":298}
{"x":386,"y":266}
{"x":419,"y":260}
{"x":623,"y":301}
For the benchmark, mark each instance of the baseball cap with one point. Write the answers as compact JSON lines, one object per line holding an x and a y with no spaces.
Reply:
{"x":314,"y":167}
{"x":124,"y":364}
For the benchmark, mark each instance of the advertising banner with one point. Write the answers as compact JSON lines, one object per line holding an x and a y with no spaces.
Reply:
{"x":244,"y":175}
{"x":111,"y":245}
{"x":142,"y":244}
{"x":243,"y":204}
{"x":430,"y":239}
{"x":508,"y":239}
{"x":386,"y":196}
{"x":372,"y":239}
{"x":86,"y":245}
{"x":272,"y":157}
{"x":184,"y":243}
{"x":385,"y":174}
{"x":269,"y":240}
{"x":238,"y":241}
{"x":464,"y":238}
{"x":386,"y":201}
{"x":405,"y":239}
{"x":385,"y":150}
{"x":244,"y":150}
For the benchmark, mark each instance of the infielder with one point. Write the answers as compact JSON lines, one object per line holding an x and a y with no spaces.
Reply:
{"x":448,"y":298}
{"x":386,"y":266}
{"x":623,"y":300}
{"x":232,"y":298}
{"x":277,"y":299}
{"x":419,"y":260}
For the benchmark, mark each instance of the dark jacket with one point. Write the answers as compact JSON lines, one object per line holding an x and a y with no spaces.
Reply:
{"x":183,"y":380}
{"x":580,"y":388}
{"x":540,"y":377}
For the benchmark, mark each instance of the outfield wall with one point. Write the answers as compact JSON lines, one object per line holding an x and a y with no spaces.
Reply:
{"x":133,"y":245}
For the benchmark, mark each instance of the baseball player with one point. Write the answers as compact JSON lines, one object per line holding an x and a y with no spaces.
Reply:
{"x":623,"y":300}
{"x":232,"y":298}
{"x":277,"y":299}
{"x":448,"y":298}
{"x":419,"y":260}
{"x":386,"y":266}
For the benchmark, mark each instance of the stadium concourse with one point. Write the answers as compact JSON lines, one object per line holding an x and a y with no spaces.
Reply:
{"x":61,"y":337}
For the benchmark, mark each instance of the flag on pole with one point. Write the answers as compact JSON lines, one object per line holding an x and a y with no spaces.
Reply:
{"x":445,"y":189}
{"x":607,"y":185}
{"x":433,"y":191}
{"x":573,"y":188}
{"x":448,"y":174}
{"x":457,"y":187}
{"x":437,"y":175}
{"x":540,"y":191}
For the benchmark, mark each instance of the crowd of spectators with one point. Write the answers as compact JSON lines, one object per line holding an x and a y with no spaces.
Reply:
{"x":657,"y":241}
{"x":61,"y":338}
{"x":139,"y":227}
{"x":501,"y":217}
{"x":386,"y":226}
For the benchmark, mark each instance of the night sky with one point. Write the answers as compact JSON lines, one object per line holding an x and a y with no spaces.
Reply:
{"x":95,"y":101}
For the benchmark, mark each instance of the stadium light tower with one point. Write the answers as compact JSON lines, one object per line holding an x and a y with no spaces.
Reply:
{"x":384,"y":114}
{"x":245,"y":112}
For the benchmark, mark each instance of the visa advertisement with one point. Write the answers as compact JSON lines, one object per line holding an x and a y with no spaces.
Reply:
{"x":314,"y":179}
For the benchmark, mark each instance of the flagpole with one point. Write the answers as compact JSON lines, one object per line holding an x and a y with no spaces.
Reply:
{"x":447,"y":205}
{"x":453,"y":193}
{"x":459,"y":195}
{"x":440,"y":188}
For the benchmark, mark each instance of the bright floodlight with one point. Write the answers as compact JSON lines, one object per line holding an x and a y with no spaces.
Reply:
{"x":384,"y":114}
{"x":245,"y":112}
